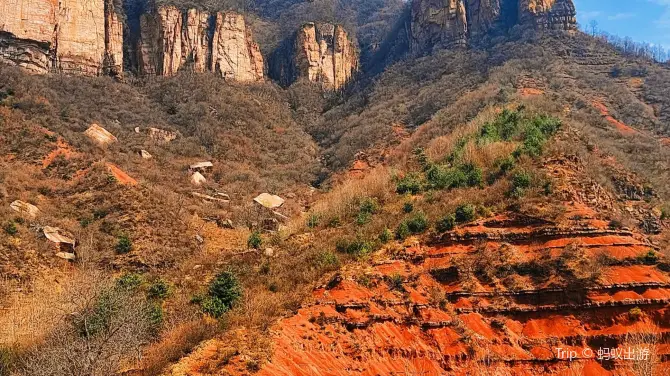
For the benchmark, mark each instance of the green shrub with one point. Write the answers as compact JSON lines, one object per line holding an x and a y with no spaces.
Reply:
{"x":395,"y":282}
{"x":313,"y":220}
{"x":357,"y":248}
{"x":334,"y":222}
{"x":123,"y":244}
{"x":386,"y":236}
{"x":156,"y":317}
{"x":10,"y":228}
{"x":97,"y":318}
{"x":327,"y":260}
{"x":446,"y":224}
{"x":521,"y":180}
{"x":129,"y":281}
{"x":159,"y":290}
{"x":444,"y":177}
{"x":369,"y":205}
{"x":665,"y":213}
{"x":473,"y":175}
{"x":416,"y":224}
{"x":465,"y":213}
{"x":363,"y":218}
{"x":402,"y":231}
{"x":411,"y":184}
{"x":635,"y":313}
{"x":649,"y":258}
{"x":255,"y":240}
{"x":223,"y":293}
{"x":408,"y":207}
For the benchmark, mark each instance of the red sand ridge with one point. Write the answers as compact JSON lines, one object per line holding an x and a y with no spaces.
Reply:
{"x":435,"y":323}
{"x":120,"y":176}
{"x":623,"y":128}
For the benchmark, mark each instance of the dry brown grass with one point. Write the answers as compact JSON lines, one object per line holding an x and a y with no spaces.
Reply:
{"x":344,"y":199}
{"x":175,"y":343}
{"x":27,"y":317}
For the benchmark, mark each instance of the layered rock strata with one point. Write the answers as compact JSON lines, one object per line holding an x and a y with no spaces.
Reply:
{"x":69,"y":36}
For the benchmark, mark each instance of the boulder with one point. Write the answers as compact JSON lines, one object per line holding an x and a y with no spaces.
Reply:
{"x":25,"y":208}
{"x":269,"y":201}
{"x":198,"y":179}
{"x":145,"y":154}
{"x":161,"y":135}
{"x":100,"y":135}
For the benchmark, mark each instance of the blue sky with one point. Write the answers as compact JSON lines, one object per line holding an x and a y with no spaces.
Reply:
{"x":642,"y":20}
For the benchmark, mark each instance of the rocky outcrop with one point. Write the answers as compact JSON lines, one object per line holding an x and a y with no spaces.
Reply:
{"x":171,"y":39}
{"x":438,"y":23}
{"x":321,"y":53}
{"x":453,"y":23}
{"x":234,"y":54}
{"x":70,"y":36}
{"x":550,"y":14}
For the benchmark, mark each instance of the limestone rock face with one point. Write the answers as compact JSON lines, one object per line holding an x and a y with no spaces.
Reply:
{"x":321,"y":53}
{"x":438,"y":23}
{"x":113,"y":40}
{"x":221,"y":43}
{"x":551,"y":14}
{"x":69,"y":36}
{"x":195,"y":39}
{"x":454,"y":23}
{"x":483,"y":15}
{"x":234,"y":53}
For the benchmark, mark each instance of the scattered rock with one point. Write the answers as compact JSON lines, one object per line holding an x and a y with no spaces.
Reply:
{"x":161,"y":135}
{"x":227,"y":224}
{"x":64,"y":242}
{"x":145,"y":154}
{"x":137,"y":129}
{"x":201,"y":167}
{"x":100,"y":135}
{"x":209,"y":198}
{"x":199,"y":239}
{"x":25,"y":208}
{"x":66,"y":256}
{"x":269,"y":252}
{"x":269,"y":201}
{"x":651,"y":225}
{"x":198,"y":179}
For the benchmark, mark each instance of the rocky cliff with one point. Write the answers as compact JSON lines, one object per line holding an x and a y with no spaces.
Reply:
{"x":69,"y":36}
{"x":321,"y":53}
{"x":450,"y":23}
{"x":171,"y":39}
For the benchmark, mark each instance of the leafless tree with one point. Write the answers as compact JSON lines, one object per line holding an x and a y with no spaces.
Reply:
{"x":102,"y":324}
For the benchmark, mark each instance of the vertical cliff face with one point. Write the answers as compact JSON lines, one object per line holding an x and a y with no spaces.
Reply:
{"x":27,"y":33}
{"x":113,"y":40}
{"x":551,"y":14}
{"x":222,"y":43}
{"x":69,"y":36}
{"x":195,"y":40}
{"x":454,"y":23}
{"x":438,"y":23}
{"x":80,"y":37}
{"x":234,"y":53}
{"x":321,"y":53}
